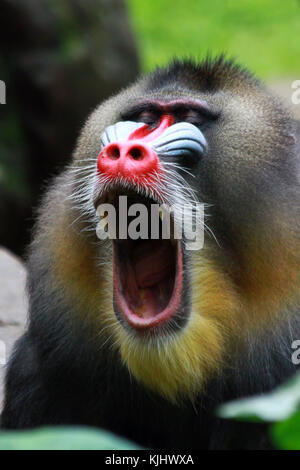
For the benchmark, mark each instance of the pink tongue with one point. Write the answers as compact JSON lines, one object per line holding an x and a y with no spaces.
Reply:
{"x":152,"y":262}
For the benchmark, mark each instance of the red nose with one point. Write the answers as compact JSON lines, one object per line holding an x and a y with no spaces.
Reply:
{"x":133,"y":158}
{"x":126,"y":159}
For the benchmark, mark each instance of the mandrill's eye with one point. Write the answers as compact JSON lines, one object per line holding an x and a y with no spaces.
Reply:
{"x":149,"y":114}
{"x":148,"y":117}
{"x":191,"y":116}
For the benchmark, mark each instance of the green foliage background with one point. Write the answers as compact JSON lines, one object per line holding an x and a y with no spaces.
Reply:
{"x":263,"y":34}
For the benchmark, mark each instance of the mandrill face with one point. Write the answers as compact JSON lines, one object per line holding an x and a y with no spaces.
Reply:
{"x":184,"y":138}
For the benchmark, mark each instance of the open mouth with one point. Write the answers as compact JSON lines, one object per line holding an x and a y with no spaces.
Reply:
{"x":148,"y":273}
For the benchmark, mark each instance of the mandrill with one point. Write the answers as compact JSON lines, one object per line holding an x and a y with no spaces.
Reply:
{"x":145,"y":335}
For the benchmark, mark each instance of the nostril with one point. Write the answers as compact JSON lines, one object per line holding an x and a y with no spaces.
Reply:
{"x":113,"y":152}
{"x":136,"y":153}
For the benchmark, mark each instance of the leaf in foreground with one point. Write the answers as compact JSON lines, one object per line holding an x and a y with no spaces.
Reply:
{"x":63,"y":438}
{"x":286,"y":435}
{"x":277,"y":405}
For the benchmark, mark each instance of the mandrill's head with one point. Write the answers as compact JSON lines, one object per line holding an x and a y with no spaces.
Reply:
{"x":207,"y":137}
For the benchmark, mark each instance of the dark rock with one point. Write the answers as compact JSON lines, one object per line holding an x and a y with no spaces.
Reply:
{"x":13,"y":306}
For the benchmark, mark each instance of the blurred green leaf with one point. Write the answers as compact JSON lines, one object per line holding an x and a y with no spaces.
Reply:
{"x":286,"y":435}
{"x":274,"y":406}
{"x":64,"y":438}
